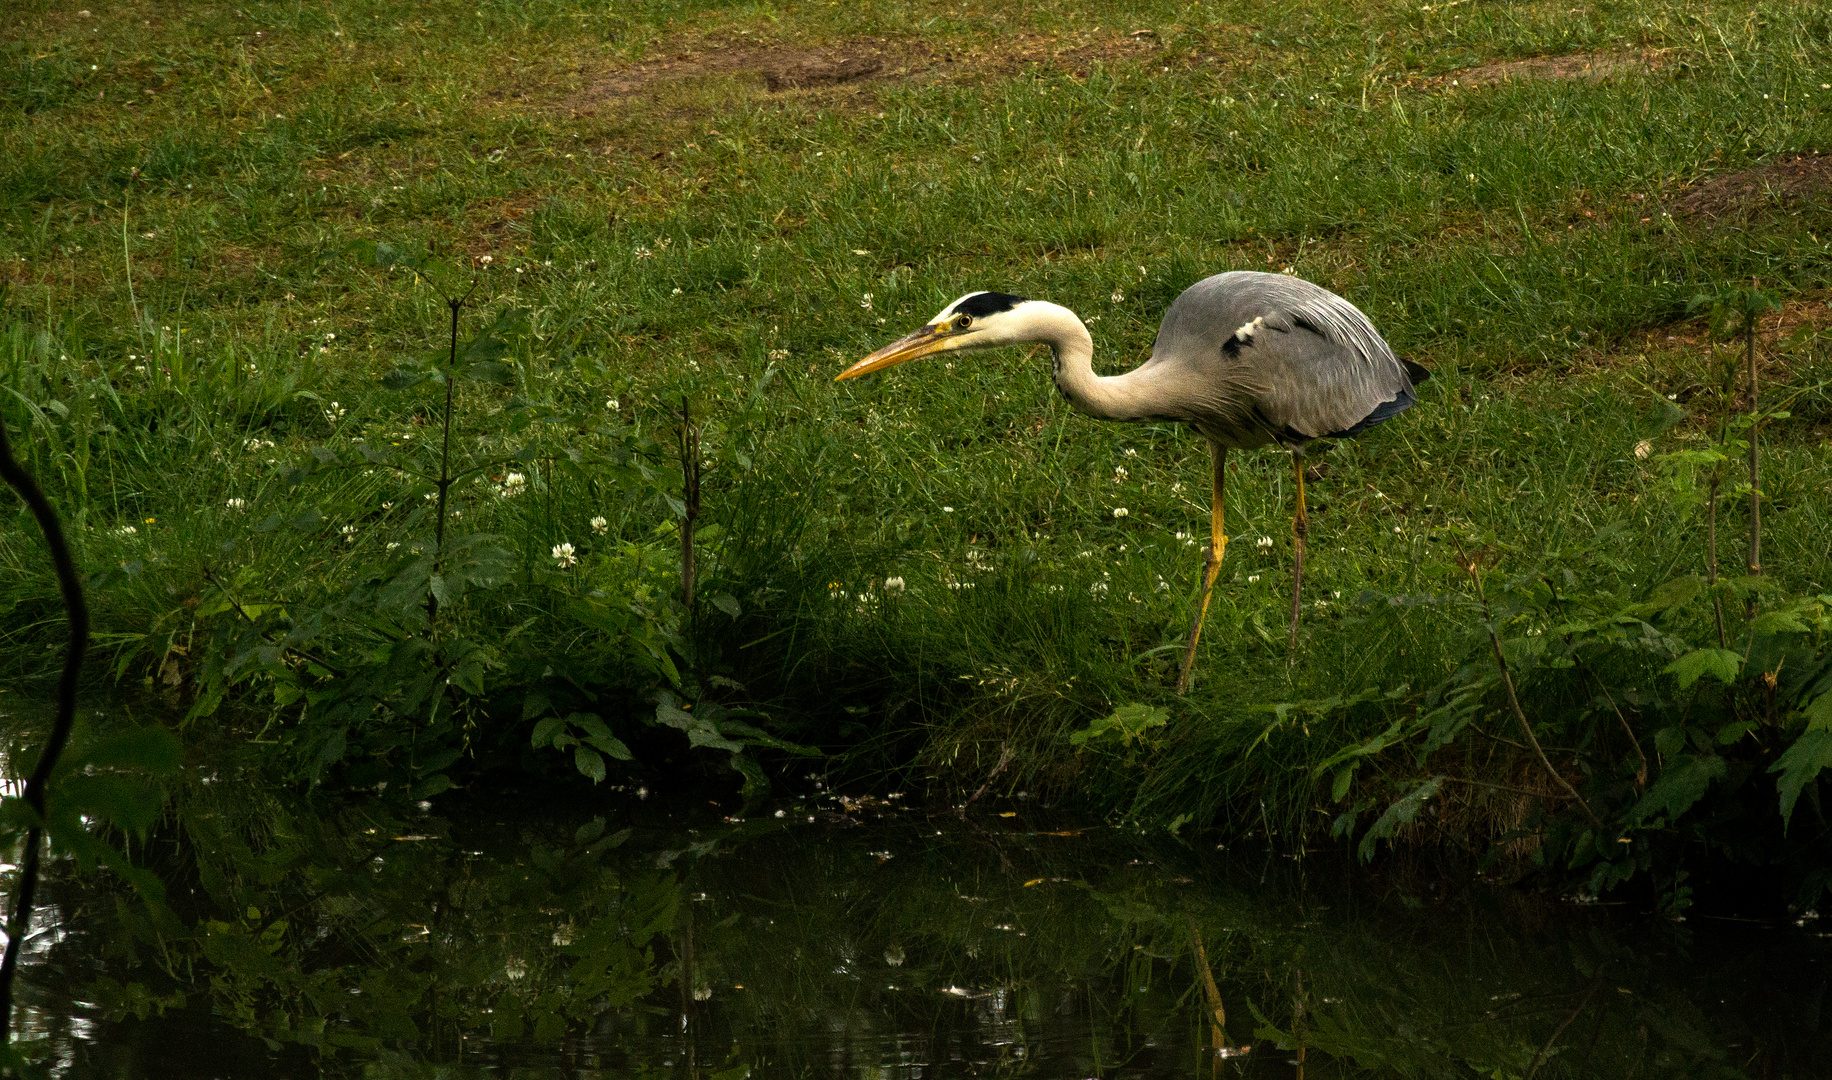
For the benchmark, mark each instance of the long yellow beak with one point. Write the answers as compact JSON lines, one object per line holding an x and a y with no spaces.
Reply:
{"x":930,"y":339}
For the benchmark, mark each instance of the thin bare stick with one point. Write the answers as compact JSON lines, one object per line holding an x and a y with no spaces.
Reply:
{"x":690,"y":499}
{"x":1219,"y":1027}
{"x":1507,"y":680}
{"x":1005,"y":756}
{"x":1540,"y":1058}
{"x":1755,"y":461}
{"x":1717,"y":602}
{"x":70,"y":584}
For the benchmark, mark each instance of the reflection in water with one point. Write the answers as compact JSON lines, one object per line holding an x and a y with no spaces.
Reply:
{"x":871,"y":942}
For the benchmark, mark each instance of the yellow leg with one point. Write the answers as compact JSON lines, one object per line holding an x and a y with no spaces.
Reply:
{"x":1218,"y":543}
{"x":1300,"y":528}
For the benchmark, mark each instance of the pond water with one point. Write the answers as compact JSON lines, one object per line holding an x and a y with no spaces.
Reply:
{"x":862,"y":938}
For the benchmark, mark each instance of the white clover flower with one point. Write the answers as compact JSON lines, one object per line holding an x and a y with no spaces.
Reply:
{"x":349,"y":534}
{"x":865,"y":301}
{"x":643,"y":253}
{"x":1264,"y":542}
{"x":1120,"y":512}
{"x":779,"y":354}
{"x":563,"y":554}
{"x":1130,"y":452}
{"x":947,"y":509}
{"x":515,"y":969}
{"x":676,"y":292}
{"x":392,"y":544}
{"x":600,"y":526}
{"x":487,"y":259}
{"x":893,"y":586}
{"x":514,"y":484}
{"x":237,"y":504}
{"x":1251,"y":578}
{"x":126,"y":531}
{"x":1118,"y":296}
{"x":330,"y":337}
{"x":612,"y":404}
{"x":1097,"y":590}
{"x":1643,"y":449}
{"x":335,"y":413}
{"x":1120,"y":473}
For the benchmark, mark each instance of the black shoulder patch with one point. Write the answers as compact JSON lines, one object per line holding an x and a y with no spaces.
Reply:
{"x":980,"y":305}
{"x":1414,"y":372}
{"x":1302,"y":323}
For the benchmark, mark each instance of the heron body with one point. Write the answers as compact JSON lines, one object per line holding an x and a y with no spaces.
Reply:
{"x":1247,"y":359}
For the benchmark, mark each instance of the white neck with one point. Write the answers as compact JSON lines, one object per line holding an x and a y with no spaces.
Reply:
{"x":1116,"y":397}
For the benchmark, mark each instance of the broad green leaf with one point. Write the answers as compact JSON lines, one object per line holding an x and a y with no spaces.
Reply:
{"x":1402,"y":812}
{"x":1800,"y":765}
{"x":1128,"y":722}
{"x":1344,"y":777}
{"x":1683,"y":782}
{"x":491,"y":371}
{"x":612,"y":746}
{"x":1721,"y":664}
{"x":431,"y":786}
{"x":590,"y":763}
{"x":405,"y":379}
{"x":1819,"y":712}
{"x":546,"y":730}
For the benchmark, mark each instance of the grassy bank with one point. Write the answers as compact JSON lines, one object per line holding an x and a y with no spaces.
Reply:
{"x":244,"y":415}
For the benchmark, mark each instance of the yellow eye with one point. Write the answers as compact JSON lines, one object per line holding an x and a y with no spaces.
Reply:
{"x":962,"y":322}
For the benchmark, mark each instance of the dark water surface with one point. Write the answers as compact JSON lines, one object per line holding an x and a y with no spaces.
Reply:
{"x":830,"y":938}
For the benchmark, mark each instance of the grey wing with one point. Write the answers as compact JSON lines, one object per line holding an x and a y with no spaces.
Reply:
{"x":1300,"y":360}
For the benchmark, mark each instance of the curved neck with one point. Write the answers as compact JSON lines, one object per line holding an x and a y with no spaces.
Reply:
{"x":1102,"y":397}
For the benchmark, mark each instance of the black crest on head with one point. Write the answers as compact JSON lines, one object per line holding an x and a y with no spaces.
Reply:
{"x":980,"y":305}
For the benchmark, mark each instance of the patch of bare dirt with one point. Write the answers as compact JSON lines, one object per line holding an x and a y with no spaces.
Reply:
{"x":1589,"y":67}
{"x":1786,"y":181}
{"x":856,"y":62}
{"x":777,"y":68}
{"x":1813,"y":311}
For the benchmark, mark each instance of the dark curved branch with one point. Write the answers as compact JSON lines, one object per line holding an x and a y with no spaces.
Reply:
{"x":21,"y":916}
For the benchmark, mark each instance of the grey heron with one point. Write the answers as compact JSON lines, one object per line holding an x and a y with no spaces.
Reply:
{"x":1246,"y":359}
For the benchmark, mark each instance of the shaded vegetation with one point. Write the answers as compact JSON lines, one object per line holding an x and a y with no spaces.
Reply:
{"x":235,"y":240}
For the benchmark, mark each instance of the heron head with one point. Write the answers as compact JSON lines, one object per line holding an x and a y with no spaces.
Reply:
{"x":979,"y":320}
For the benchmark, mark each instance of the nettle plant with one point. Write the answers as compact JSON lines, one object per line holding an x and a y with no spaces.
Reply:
{"x":1696,"y":717}
{"x":451,"y":639}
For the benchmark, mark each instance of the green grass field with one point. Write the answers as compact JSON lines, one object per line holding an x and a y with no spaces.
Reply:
{"x":732,"y":203}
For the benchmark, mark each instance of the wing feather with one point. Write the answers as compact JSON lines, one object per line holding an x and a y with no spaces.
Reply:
{"x":1279,"y":359}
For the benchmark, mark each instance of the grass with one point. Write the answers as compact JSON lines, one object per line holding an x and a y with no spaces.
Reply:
{"x":177,"y":187}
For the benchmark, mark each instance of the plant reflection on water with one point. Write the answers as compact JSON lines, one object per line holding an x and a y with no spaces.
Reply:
{"x":872,"y":942}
